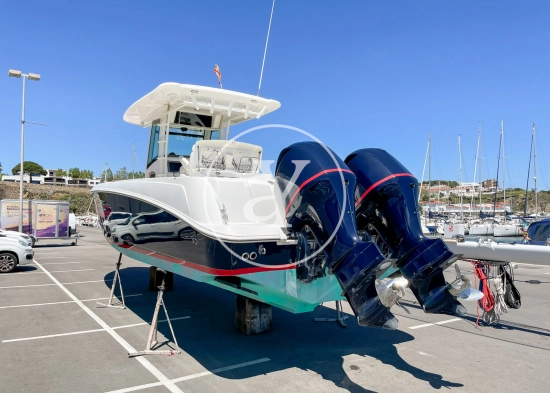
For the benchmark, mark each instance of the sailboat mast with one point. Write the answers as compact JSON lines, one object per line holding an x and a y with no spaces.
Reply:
{"x":480,"y":178}
{"x":424,"y":170}
{"x":430,"y":170}
{"x":503,"y":171}
{"x":460,"y":187}
{"x":475,"y":170}
{"x":535,"y":168}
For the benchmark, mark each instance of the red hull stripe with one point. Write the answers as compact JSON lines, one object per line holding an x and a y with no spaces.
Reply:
{"x":380,"y":182}
{"x":310,"y":179}
{"x":204,"y":269}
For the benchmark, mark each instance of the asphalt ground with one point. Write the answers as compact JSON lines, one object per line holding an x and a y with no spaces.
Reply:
{"x":55,"y":338}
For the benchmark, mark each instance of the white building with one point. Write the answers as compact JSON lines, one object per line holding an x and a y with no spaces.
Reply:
{"x":50,"y":179}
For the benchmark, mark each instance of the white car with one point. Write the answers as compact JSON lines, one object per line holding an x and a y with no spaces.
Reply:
{"x":156,"y":225}
{"x":114,"y":219}
{"x":19,"y":235}
{"x":14,"y":252}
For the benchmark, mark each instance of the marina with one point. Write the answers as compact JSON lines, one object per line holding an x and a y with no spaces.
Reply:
{"x":243,"y":207}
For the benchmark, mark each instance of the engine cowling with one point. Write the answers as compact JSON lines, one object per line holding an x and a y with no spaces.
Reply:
{"x":318,"y":189}
{"x":386,"y":206}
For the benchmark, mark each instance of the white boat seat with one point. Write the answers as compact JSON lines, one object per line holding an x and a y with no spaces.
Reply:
{"x":217,"y":157}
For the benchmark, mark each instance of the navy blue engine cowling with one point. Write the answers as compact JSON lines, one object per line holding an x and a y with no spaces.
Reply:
{"x":318,"y":189}
{"x":386,"y":205}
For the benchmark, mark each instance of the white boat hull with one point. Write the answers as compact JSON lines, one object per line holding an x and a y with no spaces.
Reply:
{"x":506,"y":230}
{"x":482,"y":230}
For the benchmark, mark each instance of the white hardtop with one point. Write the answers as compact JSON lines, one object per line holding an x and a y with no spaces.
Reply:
{"x":222,"y":105}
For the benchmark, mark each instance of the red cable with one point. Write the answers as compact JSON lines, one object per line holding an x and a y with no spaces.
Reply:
{"x":488,"y":301}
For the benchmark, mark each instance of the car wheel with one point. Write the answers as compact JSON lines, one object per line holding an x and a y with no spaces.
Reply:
{"x":8,"y":262}
{"x":129,"y":238}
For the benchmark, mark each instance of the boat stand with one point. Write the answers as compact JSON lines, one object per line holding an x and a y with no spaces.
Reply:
{"x":152,"y":339}
{"x":115,"y":280}
{"x":340,"y":318}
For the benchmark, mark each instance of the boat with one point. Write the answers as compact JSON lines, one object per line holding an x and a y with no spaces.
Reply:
{"x":538,"y":233}
{"x":319,"y":229}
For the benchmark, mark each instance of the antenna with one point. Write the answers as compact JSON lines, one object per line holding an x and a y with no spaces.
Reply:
{"x":265,"y":50}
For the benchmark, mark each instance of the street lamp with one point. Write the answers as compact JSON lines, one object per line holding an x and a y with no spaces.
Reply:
{"x":32,"y":77}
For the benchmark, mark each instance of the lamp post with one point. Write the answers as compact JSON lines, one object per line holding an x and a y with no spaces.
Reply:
{"x":32,"y":77}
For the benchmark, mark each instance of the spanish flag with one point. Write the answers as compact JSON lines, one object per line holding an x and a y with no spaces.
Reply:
{"x":218,"y":73}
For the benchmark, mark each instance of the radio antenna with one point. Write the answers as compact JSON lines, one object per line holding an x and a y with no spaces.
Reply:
{"x":265,"y":50}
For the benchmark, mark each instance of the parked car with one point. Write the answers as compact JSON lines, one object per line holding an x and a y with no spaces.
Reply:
{"x":14,"y":252}
{"x":156,"y":225}
{"x":114,"y":219}
{"x":19,"y":235}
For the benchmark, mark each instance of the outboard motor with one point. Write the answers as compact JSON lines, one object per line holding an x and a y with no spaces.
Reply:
{"x":386,"y":200}
{"x":317,"y":189}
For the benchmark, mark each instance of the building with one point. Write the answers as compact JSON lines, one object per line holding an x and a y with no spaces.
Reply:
{"x":50,"y":179}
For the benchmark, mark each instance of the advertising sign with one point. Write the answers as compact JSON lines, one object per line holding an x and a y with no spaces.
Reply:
{"x":10,"y":216}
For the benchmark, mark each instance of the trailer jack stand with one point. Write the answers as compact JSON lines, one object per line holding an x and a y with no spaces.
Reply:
{"x":341,"y":319}
{"x":115,"y":280}
{"x":152,"y":339}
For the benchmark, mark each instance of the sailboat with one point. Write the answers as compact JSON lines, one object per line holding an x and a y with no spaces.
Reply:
{"x":480,"y":228}
{"x":319,"y":229}
{"x":505,"y":229}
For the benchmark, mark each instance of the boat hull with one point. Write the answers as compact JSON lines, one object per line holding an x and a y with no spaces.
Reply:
{"x":481,"y":230}
{"x":175,"y":247}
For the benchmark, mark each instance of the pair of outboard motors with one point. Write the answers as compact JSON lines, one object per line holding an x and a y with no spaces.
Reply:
{"x":358,"y":218}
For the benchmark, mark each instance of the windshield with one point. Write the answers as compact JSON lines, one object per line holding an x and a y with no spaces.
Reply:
{"x":540,"y":232}
{"x":181,"y":141}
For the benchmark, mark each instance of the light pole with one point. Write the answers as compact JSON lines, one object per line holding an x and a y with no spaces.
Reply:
{"x":32,"y":77}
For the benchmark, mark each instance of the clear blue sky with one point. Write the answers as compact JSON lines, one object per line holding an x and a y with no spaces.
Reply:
{"x":355,"y":74}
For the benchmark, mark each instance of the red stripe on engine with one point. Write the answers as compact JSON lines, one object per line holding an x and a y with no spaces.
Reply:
{"x":380,"y":182}
{"x":310,"y":179}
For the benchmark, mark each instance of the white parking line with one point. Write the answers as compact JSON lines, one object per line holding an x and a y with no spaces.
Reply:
{"x":86,"y":331}
{"x":192,"y":376}
{"x":54,"y":271}
{"x":47,"y":285}
{"x":144,"y":362}
{"x":65,"y":302}
{"x":436,"y":323}
{"x":58,"y":263}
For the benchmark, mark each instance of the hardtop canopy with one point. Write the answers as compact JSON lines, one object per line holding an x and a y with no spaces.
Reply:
{"x":222,"y":105}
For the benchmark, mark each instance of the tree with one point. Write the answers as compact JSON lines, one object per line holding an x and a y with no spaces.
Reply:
{"x":121,"y":174}
{"x":75,"y":173}
{"x":136,"y":175}
{"x":30,"y":168}
{"x":86,"y":174}
{"x":61,"y":173}
{"x":108,"y":175}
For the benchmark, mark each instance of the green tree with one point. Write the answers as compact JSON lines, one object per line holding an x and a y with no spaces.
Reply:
{"x":86,"y":174}
{"x":108,"y":175}
{"x":121,"y":174}
{"x":30,"y":168}
{"x":75,"y":173}
{"x":136,"y":175}
{"x":61,"y":173}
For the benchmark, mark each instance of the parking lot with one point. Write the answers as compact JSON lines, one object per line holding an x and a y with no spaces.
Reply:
{"x":55,"y":338}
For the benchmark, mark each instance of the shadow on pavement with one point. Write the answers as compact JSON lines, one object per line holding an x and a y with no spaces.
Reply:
{"x":295,"y":341}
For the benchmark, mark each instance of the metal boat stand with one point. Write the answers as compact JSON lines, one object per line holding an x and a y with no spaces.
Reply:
{"x":340,"y":318}
{"x":115,"y":280}
{"x":152,"y":339}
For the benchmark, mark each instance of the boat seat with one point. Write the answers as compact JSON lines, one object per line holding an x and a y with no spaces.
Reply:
{"x":221,"y":157}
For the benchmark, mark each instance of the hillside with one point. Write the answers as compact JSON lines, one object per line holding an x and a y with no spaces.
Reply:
{"x":79,"y":197}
